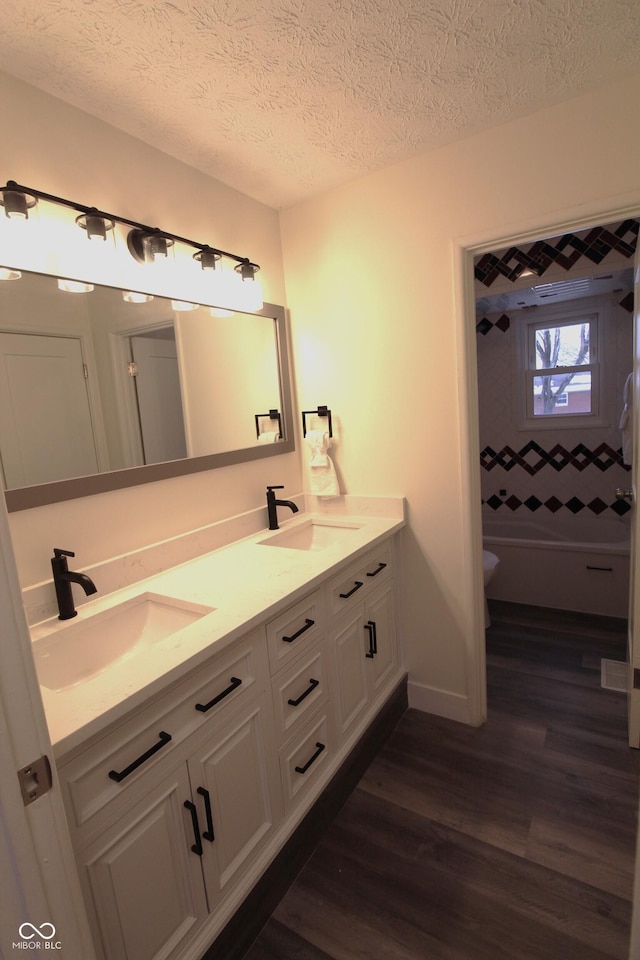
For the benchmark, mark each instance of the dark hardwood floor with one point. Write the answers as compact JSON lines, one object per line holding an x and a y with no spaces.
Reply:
{"x":514,"y":841}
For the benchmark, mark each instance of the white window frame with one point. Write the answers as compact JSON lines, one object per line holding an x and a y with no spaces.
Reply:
{"x":557,"y":317}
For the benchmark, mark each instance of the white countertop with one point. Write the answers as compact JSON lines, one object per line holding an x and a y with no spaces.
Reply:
{"x":246,"y":583}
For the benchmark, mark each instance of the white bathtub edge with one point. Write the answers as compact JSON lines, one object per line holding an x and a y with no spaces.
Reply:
{"x":621,"y":548}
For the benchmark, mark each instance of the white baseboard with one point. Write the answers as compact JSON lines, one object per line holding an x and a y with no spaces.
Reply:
{"x":451,"y":706}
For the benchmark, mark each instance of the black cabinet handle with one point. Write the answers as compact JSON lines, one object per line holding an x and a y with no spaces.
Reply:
{"x":197,"y":846}
{"x":119,"y":775}
{"x":373,"y":642}
{"x":312,"y":685}
{"x":203,"y":707}
{"x":307,"y":624}
{"x":319,"y":748}
{"x":379,"y":569}
{"x":207,"y":834}
{"x":356,"y":586}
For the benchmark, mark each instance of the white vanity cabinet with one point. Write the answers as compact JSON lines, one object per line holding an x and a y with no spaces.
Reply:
{"x":177,"y":831}
{"x":165,"y":866}
{"x":176,"y":810}
{"x":363,"y":629}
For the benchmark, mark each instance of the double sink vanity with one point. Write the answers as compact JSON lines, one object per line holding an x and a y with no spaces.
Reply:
{"x":201,"y":702}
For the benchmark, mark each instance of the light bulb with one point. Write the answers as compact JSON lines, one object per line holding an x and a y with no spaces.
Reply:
{"x":132,"y":296}
{"x":74,"y":286}
{"x":16,"y":203}
{"x":183,"y":306}
{"x":6,"y":273}
{"x":95,"y":224}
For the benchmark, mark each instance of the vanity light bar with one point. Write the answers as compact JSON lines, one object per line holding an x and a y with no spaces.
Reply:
{"x":144,"y":243}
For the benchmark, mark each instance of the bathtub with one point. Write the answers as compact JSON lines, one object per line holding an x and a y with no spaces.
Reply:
{"x":568,"y":563}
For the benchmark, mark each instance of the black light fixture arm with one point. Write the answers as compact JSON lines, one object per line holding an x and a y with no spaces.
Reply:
{"x":13,"y":187}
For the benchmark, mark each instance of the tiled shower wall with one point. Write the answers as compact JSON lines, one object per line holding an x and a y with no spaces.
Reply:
{"x":563,"y":471}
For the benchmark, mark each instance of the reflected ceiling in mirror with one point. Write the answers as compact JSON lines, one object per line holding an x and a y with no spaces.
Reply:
{"x":102,"y":388}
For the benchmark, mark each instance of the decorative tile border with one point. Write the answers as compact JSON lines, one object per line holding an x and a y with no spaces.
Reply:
{"x":593,"y":244}
{"x":552,"y":504}
{"x":580,"y":457}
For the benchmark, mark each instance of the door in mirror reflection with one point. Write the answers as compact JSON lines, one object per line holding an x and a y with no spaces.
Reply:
{"x":156,"y":378}
{"x":46,"y":429}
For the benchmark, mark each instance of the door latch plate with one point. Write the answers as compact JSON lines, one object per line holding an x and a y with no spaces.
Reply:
{"x":35,"y":779}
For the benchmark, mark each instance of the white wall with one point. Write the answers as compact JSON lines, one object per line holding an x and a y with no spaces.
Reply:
{"x":60,"y":150}
{"x":372,"y":271}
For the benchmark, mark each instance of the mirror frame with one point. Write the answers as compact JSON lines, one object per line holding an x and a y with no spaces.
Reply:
{"x":24,"y":498}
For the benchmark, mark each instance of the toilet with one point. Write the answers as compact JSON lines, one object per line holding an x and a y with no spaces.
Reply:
{"x":489,"y":566}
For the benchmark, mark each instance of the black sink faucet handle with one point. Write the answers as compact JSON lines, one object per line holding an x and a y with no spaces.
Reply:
{"x":63,"y":553}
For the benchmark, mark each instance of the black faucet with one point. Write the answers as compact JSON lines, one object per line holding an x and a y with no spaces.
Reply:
{"x":62,"y":580}
{"x":272,"y":503}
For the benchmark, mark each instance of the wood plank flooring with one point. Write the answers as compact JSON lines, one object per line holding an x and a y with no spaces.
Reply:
{"x":514,"y":841}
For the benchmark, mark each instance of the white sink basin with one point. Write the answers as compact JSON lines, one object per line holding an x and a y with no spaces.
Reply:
{"x":86,"y":647}
{"x":312,"y":535}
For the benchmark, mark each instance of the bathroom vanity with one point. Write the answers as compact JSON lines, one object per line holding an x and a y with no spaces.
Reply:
{"x":188,"y":760}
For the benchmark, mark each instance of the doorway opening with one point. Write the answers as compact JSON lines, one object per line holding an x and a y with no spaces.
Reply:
{"x":554,"y":322}
{"x":505,"y":263}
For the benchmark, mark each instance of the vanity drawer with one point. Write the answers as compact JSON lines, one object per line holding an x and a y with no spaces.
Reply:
{"x":299,"y":691}
{"x":349,"y":587}
{"x":106,"y":771}
{"x":303,"y":760}
{"x":295,"y":630}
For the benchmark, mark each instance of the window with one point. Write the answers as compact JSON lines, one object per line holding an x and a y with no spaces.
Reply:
{"x":562,"y":371}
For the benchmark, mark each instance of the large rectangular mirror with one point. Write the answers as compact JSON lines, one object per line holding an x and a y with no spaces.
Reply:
{"x":102,"y":388}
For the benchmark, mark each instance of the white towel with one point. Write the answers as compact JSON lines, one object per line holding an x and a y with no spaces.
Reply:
{"x":323,"y":479}
{"x":269,"y":436}
{"x":626,"y":421}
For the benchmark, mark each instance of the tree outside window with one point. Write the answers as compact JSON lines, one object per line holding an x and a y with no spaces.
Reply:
{"x":562,"y":358}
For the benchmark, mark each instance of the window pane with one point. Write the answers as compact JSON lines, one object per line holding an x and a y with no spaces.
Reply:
{"x":564,"y":395}
{"x":564,"y":346}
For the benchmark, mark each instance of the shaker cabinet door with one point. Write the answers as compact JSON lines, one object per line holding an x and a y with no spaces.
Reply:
{"x":145,"y":882}
{"x":380,"y":611}
{"x":232,"y":787}
{"x":351,"y":693}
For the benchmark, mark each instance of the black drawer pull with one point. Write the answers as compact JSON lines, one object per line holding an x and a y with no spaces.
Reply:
{"x":203,"y":707}
{"x":207,"y":834}
{"x":356,"y":586}
{"x":197,"y":846}
{"x":319,"y":748}
{"x":373,"y":639}
{"x":119,"y":775}
{"x":378,"y":569}
{"x":307,"y":623}
{"x":312,"y":685}
{"x":604,"y":569}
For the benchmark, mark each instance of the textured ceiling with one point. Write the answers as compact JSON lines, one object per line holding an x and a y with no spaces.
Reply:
{"x":284,"y":98}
